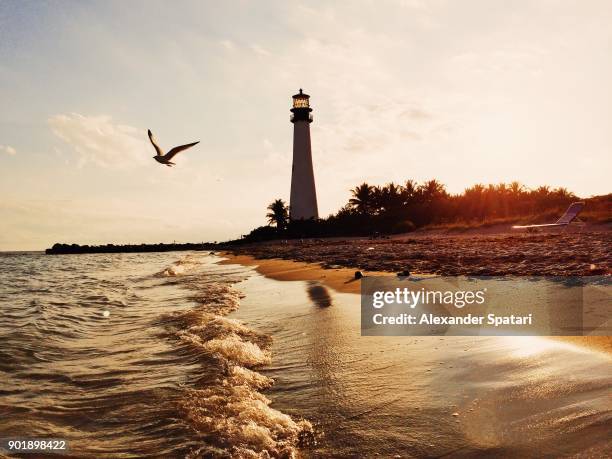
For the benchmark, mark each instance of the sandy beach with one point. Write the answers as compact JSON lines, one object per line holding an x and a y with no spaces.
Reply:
{"x":398,"y":396}
{"x":342,"y":279}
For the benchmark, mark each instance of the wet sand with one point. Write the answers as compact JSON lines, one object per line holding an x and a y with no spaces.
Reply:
{"x":419,"y":396}
{"x":342,"y":280}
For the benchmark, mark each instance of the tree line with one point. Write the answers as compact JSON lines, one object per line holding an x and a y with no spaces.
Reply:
{"x":398,"y":208}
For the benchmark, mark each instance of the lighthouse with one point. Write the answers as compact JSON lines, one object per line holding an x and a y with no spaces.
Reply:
{"x":303,"y":201}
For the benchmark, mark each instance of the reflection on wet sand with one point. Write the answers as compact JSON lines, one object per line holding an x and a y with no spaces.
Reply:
{"x":319,"y":294}
{"x":426,"y":396}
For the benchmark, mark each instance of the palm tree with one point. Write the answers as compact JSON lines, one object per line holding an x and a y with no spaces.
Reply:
{"x":516,"y":189}
{"x":542,"y":191}
{"x":564,"y":193}
{"x":410,"y":191}
{"x":279,"y":214}
{"x":363,"y":198}
{"x":391,"y":198}
{"x":432,"y":189}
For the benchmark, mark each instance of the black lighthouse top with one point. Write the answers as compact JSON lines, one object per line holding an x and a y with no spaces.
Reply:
{"x":301,"y":108}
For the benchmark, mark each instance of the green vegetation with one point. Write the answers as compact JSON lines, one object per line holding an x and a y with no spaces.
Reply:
{"x":393,"y":208}
{"x":279,"y":214}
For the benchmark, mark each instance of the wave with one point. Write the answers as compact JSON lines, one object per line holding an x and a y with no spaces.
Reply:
{"x":239,"y":417}
{"x":232,"y":414}
{"x":140,"y":348}
{"x":182,"y":266}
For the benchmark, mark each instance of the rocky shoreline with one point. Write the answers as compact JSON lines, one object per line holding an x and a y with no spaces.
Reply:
{"x":525,"y":254}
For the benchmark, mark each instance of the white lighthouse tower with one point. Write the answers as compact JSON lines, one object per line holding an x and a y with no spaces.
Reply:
{"x":303,"y":204}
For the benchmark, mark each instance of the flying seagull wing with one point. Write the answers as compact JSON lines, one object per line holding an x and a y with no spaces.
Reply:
{"x":176,"y":150}
{"x":152,"y":139}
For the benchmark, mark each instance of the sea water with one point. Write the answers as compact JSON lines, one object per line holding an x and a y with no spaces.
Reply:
{"x":133,"y":354}
{"x":174,"y":355}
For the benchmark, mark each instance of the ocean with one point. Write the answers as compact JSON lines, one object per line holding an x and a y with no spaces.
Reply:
{"x":175,"y":355}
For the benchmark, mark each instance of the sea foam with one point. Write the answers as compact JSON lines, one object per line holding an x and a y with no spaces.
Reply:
{"x":230,"y":410}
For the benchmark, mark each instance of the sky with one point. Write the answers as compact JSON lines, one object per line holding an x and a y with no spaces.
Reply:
{"x":465,"y":92}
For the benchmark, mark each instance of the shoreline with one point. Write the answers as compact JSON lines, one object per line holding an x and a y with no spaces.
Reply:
{"x":342,"y":280}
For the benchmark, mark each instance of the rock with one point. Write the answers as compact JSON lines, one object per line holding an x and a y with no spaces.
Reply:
{"x":358,"y":274}
{"x":595,"y":270}
{"x":455,"y":414}
{"x":404,"y":273}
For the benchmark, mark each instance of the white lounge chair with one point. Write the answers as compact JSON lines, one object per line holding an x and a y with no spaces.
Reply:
{"x":570,"y":214}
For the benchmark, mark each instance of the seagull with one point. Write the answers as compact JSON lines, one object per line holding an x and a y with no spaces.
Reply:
{"x":165,"y":159}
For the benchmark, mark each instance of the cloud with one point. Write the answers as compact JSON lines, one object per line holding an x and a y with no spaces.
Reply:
{"x":495,"y":63}
{"x":98,"y":140}
{"x":8,"y":150}
{"x":259,"y":50}
{"x":228,"y":44}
